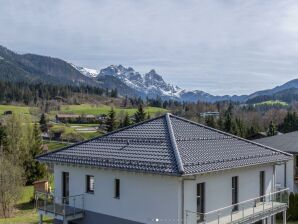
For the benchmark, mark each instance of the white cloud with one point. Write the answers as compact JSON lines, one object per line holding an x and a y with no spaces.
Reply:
{"x":222,"y":47}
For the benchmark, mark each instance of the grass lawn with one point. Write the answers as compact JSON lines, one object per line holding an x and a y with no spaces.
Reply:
{"x":25,"y":211}
{"x":88,"y":135}
{"x":103,"y":109}
{"x":273,"y":103}
{"x":16,"y":109}
{"x":53,"y":145}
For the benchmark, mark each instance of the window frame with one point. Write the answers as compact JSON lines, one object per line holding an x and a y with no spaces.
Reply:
{"x":89,"y":187}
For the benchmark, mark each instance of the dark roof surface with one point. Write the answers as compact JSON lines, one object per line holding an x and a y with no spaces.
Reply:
{"x":167,"y":145}
{"x":285,"y":142}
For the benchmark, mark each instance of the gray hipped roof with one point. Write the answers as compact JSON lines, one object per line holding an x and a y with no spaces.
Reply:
{"x":167,"y":145}
{"x":286,"y":142}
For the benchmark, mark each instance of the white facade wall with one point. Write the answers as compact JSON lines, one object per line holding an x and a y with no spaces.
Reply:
{"x":146,"y":197}
{"x":285,"y":179}
{"x":143,"y":197}
{"x":218,"y":187}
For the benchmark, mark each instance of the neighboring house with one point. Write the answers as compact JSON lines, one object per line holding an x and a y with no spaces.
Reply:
{"x":210,"y":114}
{"x":287,"y":175}
{"x":74,"y":118}
{"x":165,"y":170}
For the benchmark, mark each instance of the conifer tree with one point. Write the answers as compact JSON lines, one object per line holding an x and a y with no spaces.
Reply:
{"x":148,"y":116}
{"x":33,"y":169}
{"x":126,"y":121}
{"x":43,"y":123}
{"x":228,"y":123}
{"x":272,"y":129}
{"x":111,"y":121}
{"x":210,"y":122}
{"x":140,"y":115}
{"x":220,"y":123}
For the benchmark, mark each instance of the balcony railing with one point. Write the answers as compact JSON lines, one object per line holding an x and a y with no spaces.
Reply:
{"x":248,"y":211}
{"x":62,"y":208}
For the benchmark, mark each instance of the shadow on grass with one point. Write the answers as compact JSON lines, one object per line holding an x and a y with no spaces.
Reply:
{"x":25,"y":206}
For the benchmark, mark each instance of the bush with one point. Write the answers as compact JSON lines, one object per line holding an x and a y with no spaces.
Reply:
{"x":293,"y":207}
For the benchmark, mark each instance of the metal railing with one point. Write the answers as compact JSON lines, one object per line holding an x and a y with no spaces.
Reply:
{"x":59,"y":206}
{"x":243,"y":212}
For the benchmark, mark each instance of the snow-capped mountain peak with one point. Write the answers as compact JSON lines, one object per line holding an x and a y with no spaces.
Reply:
{"x":91,"y":73}
{"x":151,"y":83}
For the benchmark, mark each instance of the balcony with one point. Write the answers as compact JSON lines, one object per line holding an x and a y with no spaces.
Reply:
{"x":245,"y":212}
{"x":64,"y":209}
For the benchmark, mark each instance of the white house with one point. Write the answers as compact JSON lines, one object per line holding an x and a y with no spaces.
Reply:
{"x":165,"y":170}
{"x":286,"y":174}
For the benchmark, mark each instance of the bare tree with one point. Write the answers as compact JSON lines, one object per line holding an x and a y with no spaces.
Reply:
{"x":11,"y":185}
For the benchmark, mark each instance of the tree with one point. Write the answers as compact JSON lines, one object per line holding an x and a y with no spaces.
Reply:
{"x":18,"y":132}
{"x":228,"y":122}
{"x":291,"y":212}
{"x":148,"y":116}
{"x":11,"y":185}
{"x":220,"y":123}
{"x":33,"y":169}
{"x":272,"y":129}
{"x":140,"y":115}
{"x":295,"y":215}
{"x":239,"y":128}
{"x":43,"y":123}
{"x":111,"y":121}
{"x":3,"y":138}
{"x":210,"y":122}
{"x":290,"y":123}
{"x":126,"y":121}
{"x":114,"y":93}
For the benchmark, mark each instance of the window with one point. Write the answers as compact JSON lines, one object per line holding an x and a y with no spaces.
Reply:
{"x":117,"y":188}
{"x":235,"y":192}
{"x":262,"y":184}
{"x":89,"y":184}
{"x":65,"y":187}
{"x":296,"y":160}
{"x":201,"y":200}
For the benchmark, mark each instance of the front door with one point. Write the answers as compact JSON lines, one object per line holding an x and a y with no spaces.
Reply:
{"x":65,"y":187}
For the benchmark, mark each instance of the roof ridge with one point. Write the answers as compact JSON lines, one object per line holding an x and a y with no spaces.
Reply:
{"x":102,"y":136}
{"x":174,"y":144}
{"x":229,"y":134}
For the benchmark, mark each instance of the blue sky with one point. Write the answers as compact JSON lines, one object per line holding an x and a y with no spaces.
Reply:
{"x":221,"y":47}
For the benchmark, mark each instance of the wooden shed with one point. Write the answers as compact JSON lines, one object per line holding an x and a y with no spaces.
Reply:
{"x":41,"y":186}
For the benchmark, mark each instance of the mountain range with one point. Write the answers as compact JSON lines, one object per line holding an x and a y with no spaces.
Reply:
{"x":36,"y":68}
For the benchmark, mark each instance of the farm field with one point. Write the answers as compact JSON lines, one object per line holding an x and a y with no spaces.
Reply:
{"x":103,"y":109}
